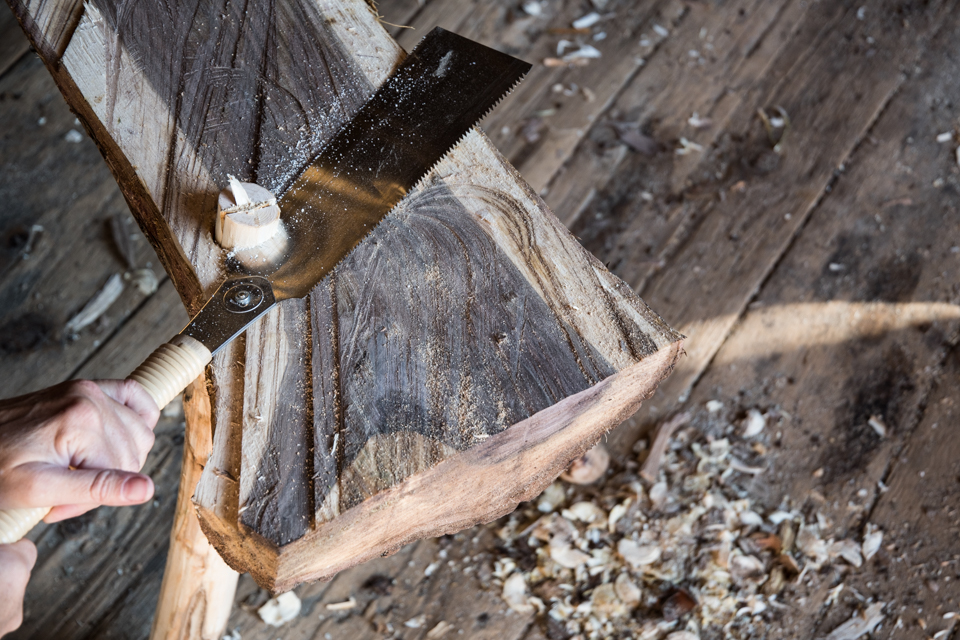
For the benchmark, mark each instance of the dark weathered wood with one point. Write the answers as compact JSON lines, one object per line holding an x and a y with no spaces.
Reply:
{"x":13,"y":44}
{"x":515,"y":319}
{"x":916,"y":568}
{"x":741,"y":202}
{"x":48,"y":269}
{"x":539,"y":127}
{"x":756,"y":351}
{"x":861,"y":320}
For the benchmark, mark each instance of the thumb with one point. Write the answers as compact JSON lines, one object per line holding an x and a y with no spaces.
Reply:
{"x":55,"y":486}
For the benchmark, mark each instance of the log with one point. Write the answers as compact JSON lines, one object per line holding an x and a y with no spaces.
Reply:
{"x":453,"y":365}
{"x":198,"y":585}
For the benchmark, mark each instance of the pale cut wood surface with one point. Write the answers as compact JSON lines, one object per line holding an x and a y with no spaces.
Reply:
{"x":198,"y":588}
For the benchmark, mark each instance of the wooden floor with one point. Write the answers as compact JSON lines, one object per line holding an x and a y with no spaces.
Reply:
{"x":815,"y":268}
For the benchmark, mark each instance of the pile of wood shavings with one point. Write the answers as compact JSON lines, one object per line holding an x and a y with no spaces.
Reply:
{"x":681,"y":558}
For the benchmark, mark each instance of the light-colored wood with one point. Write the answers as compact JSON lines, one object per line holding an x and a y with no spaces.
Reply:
{"x":197,"y":592}
{"x":247,"y":216}
{"x":16,"y":523}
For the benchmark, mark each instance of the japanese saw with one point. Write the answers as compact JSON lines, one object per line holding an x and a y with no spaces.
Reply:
{"x":430,"y":101}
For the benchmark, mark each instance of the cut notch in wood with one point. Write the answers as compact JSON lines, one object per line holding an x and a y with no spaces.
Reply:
{"x":247,"y":216}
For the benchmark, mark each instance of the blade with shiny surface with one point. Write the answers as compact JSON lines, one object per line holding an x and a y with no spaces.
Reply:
{"x":440,"y":91}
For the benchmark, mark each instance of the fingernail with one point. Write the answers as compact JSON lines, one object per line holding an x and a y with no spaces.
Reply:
{"x":135,"y":489}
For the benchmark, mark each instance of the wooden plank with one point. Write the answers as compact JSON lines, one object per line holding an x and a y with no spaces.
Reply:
{"x":295,"y":73}
{"x":201,"y":584}
{"x":49,"y":23}
{"x":539,"y":127}
{"x":276,"y":489}
{"x":425,"y":584}
{"x":161,"y":315}
{"x":733,"y":228}
{"x":54,"y":236}
{"x":13,"y":44}
{"x":860,"y":322}
{"x":915,"y":570}
{"x":492,"y":479}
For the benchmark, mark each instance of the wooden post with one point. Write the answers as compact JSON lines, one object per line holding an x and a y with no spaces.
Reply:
{"x":198,"y":587}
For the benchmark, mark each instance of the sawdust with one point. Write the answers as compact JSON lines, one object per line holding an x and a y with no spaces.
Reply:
{"x":683,"y":555}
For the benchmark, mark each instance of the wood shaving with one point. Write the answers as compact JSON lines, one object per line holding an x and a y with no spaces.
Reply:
{"x":439,"y":630}
{"x":145,"y":280}
{"x":686,"y":554}
{"x":280,"y":610}
{"x":754,"y":424}
{"x":651,"y":466}
{"x":872,"y":540}
{"x":859,"y":625}
{"x":97,"y":305}
{"x":122,"y":233}
{"x":587,"y":21}
{"x":516,"y":595}
{"x":588,"y":468}
{"x":346,"y":605}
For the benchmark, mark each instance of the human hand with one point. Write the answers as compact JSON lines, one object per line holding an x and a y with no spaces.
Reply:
{"x":16,"y":561}
{"x":76,"y":446}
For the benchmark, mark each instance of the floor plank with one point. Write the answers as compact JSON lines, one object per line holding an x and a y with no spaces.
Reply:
{"x":737,"y":208}
{"x":56,"y":251}
{"x":883,"y":222}
{"x":916,"y":571}
{"x":538,"y":126}
{"x":13,"y":44}
{"x":859,"y":322}
{"x":404,"y":596}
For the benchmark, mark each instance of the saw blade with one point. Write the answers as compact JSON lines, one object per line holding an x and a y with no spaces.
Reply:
{"x":436,"y":95}
{"x":442,"y":89}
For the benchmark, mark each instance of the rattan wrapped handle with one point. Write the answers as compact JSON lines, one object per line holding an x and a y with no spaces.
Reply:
{"x":164,"y":375}
{"x":169,"y":369}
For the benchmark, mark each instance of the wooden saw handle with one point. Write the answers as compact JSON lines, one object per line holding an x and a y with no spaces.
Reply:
{"x":164,"y":375}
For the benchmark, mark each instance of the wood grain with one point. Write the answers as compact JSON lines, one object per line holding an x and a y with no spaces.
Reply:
{"x":516,"y":319}
{"x":196,"y":596}
{"x":861,"y":320}
{"x":491,"y":479}
{"x":546,"y":117}
{"x":735,"y":207}
{"x":48,"y":269}
{"x":12,"y":43}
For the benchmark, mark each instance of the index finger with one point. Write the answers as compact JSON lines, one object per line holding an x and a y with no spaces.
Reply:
{"x":131,"y":394}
